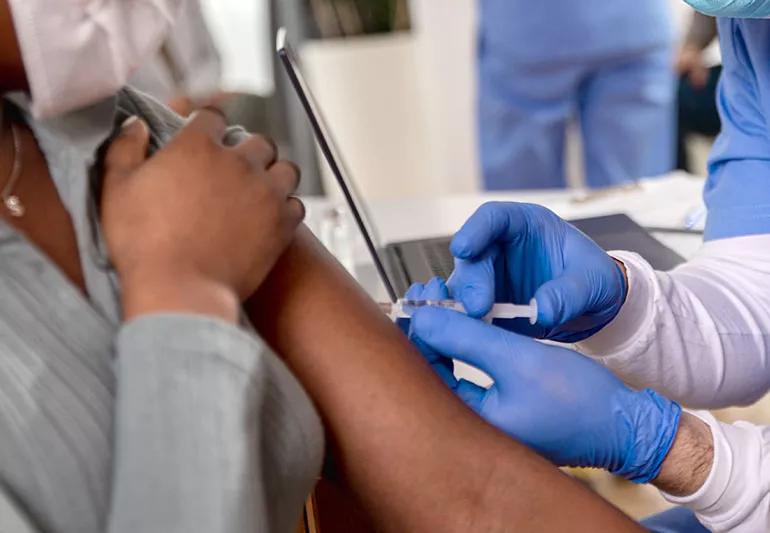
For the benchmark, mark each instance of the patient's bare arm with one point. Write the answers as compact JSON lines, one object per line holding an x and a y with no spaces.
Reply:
{"x":417,"y":458}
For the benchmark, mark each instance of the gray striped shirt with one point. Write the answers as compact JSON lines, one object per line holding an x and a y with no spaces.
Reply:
{"x":167,"y":424}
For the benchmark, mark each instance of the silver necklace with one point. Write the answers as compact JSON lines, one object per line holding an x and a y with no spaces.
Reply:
{"x":12,"y":202}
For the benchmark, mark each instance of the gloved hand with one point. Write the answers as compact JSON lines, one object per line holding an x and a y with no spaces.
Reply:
{"x":512,"y":253}
{"x":567,"y":407}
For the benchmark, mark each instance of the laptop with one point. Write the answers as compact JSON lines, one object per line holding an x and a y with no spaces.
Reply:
{"x":401,"y":264}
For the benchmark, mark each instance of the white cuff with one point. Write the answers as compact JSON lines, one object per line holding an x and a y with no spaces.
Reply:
{"x":635,"y":317}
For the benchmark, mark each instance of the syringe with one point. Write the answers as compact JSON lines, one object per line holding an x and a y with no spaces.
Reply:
{"x":406,"y":308}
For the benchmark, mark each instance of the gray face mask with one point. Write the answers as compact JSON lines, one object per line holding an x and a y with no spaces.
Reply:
{"x":733,"y":8}
{"x":78,"y":52}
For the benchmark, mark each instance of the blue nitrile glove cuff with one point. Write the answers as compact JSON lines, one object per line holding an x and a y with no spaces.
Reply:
{"x":654,"y":425}
{"x":618,"y":303}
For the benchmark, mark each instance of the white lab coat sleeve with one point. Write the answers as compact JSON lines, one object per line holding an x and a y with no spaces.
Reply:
{"x":699,"y":334}
{"x":736,"y":494}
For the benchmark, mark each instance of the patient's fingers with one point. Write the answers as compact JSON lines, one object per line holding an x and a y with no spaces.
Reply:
{"x":129,"y":149}
{"x":207,"y":123}
{"x":260,"y":151}
{"x":285,"y":176}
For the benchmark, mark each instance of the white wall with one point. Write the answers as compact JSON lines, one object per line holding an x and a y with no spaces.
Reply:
{"x":240,"y":29}
{"x":401,"y":107}
{"x":367,"y":91}
{"x":446,"y":37}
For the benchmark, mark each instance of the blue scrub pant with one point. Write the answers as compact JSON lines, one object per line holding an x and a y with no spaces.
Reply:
{"x":678,"y":520}
{"x":625,"y":107}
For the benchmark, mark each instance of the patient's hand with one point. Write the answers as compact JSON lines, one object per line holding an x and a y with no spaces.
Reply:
{"x":198,"y":226}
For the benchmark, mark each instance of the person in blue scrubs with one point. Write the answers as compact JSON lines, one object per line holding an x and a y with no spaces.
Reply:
{"x":606,"y":64}
{"x":737,"y":192}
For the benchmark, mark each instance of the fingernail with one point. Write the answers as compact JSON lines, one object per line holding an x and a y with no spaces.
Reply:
{"x":130,"y":121}
{"x":301,"y":205}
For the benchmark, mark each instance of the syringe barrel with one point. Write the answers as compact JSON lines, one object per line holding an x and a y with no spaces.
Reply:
{"x":406,"y":308}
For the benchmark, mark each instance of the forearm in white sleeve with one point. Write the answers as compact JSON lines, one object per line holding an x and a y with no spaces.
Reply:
{"x":736,"y":494}
{"x":699,"y":334}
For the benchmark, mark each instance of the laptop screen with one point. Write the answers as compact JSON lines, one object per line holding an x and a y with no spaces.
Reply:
{"x":331,"y":154}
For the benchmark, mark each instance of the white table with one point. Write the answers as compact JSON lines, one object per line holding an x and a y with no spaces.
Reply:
{"x":663,"y":202}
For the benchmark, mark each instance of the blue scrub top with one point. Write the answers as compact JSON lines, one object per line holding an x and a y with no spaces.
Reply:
{"x":534,"y":30}
{"x":738,"y":189}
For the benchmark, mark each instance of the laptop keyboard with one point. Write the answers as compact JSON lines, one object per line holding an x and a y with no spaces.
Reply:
{"x":439,"y":258}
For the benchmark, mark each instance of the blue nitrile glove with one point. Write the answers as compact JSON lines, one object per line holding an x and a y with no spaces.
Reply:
{"x":434,"y":290}
{"x":567,"y":407}
{"x":512,"y":253}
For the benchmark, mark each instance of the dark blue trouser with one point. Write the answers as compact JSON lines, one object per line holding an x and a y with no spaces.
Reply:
{"x":677,"y":520}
